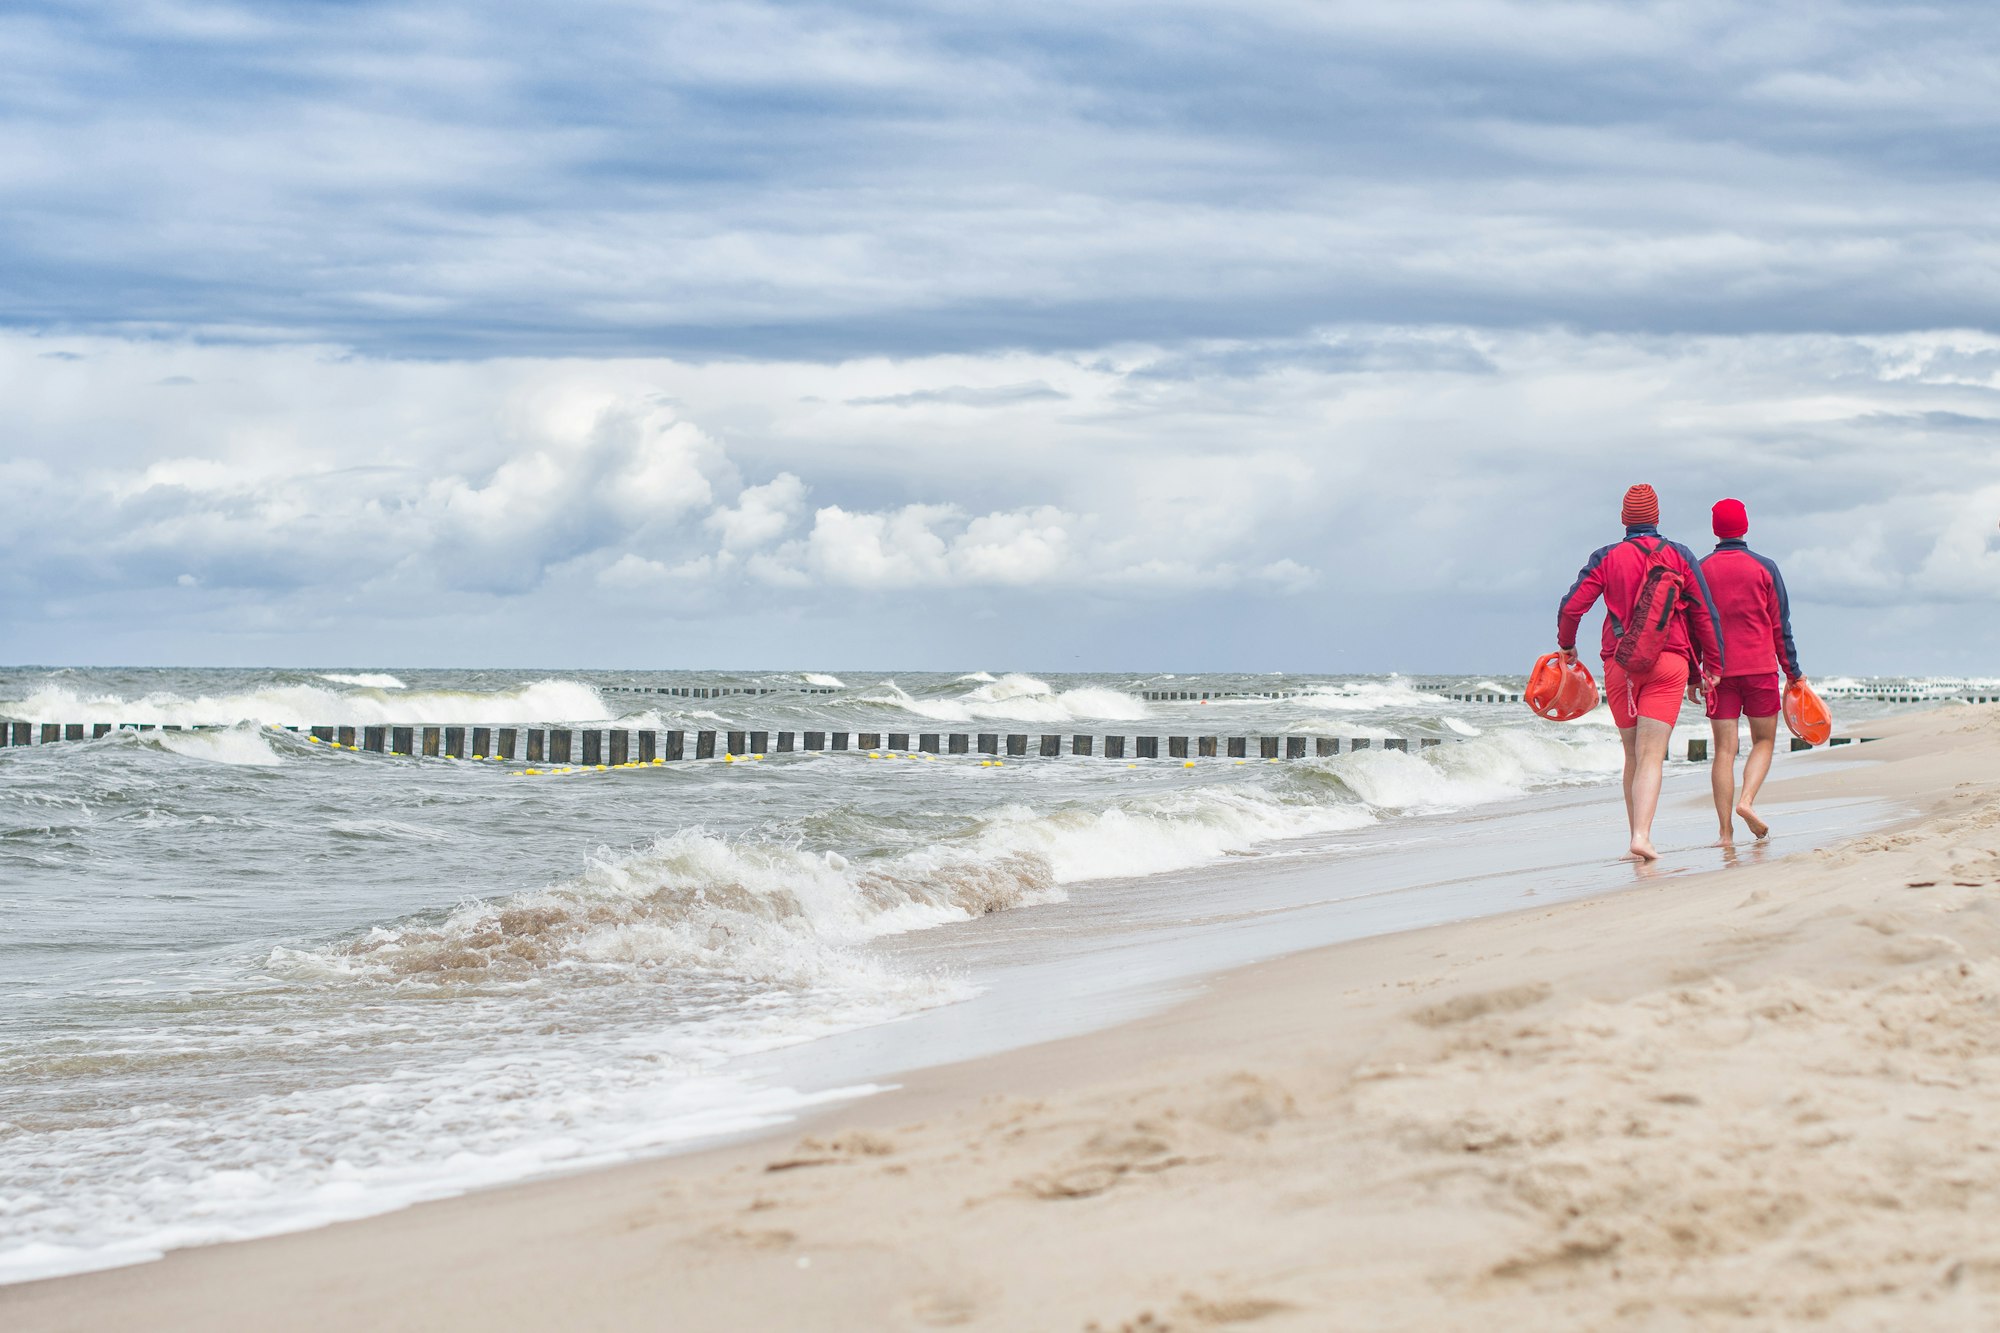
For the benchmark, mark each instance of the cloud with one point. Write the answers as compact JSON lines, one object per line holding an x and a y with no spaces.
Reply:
{"x":845,"y":179}
{"x":1401,"y":508}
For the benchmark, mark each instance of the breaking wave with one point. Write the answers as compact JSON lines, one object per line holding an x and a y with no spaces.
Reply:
{"x":373,"y":680}
{"x":1015,"y":698}
{"x":309,"y":705}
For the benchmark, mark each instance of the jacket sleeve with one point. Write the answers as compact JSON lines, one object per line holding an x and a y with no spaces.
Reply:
{"x":1704,"y":621}
{"x":1788,"y":650}
{"x":1582,"y":595}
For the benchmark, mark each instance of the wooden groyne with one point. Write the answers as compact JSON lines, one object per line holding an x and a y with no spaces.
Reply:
{"x":616,"y":747}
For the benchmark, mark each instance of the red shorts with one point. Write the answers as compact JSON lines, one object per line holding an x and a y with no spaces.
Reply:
{"x":1657,"y":695}
{"x":1738,"y":696}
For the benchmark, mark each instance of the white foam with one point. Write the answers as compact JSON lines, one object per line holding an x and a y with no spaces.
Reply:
{"x":1500,"y":765}
{"x":374,"y":680}
{"x":245,"y":746}
{"x":310,"y":705}
{"x":1017,"y":698}
{"x":815,"y":678}
{"x":977,"y":677}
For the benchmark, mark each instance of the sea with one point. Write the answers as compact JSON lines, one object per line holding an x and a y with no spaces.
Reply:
{"x":251,"y":984}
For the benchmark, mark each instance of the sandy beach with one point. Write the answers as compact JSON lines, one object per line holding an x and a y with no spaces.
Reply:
{"x":1759,"y":1097}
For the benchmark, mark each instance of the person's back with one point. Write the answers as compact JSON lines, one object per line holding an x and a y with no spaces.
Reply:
{"x":1755,"y":619}
{"x":1644,"y":703}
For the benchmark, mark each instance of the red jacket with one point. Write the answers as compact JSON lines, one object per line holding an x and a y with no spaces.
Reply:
{"x":1615,"y":572}
{"x":1756,"y":612}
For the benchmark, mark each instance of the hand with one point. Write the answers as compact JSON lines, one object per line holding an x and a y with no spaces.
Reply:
{"x":1795,"y":680}
{"x":1695,"y":693}
{"x":1568,"y":655}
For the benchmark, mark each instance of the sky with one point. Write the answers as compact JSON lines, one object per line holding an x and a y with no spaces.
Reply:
{"x":1266,"y":335}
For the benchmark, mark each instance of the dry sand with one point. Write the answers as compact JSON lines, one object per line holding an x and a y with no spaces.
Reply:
{"x":1765,"y":1097}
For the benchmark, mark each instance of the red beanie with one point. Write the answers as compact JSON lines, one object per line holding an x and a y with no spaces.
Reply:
{"x":1641,"y":506}
{"x":1731,"y":519}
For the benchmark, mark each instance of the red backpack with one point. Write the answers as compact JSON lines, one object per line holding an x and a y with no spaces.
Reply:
{"x":1643,"y":638}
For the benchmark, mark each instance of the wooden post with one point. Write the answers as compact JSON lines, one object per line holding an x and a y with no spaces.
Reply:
{"x":1697,"y":752}
{"x":649,"y":745}
{"x":1114,"y":747}
{"x":1427,"y":742}
{"x":100,"y":729}
{"x":1839,"y":740}
{"x":1082,"y":744}
{"x":504,"y":742}
{"x":785,"y":739}
{"x":1177,"y":747}
{"x":344,"y":735}
{"x":958,"y":743}
{"x":537,"y":746}
{"x":899,"y":740}
{"x":676,"y":746}
{"x":559,"y":745}
{"x":869,"y":740}
{"x":815,"y":740}
{"x":1267,"y":747}
{"x":1204,"y":747}
{"x":1358,"y":743}
{"x":1396,"y":743}
{"x":482,"y":742}
{"x":1800,"y":743}
{"x":837,"y":739}
{"x":760,"y":742}
{"x":1146,"y":747}
{"x":989,"y":742}
{"x":51,"y":732}
{"x":1051,"y":747}
{"x":1324,"y":746}
{"x":404,"y":741}
{"x":1295,"y":747}
{"x":321,"y":733}
{"x":454,"y":742}
{"x":927,"y":743}
{"x":374,"y":739}
{"x":704,"y":745}
{"x":1239,"y":747}
{"x":737,"y":744}
{"x":433,"y":737}
{"x":619,"y":746}
{"x":24,"y":733}
{"x":73,"y":731}
{"x":1017,"y":745}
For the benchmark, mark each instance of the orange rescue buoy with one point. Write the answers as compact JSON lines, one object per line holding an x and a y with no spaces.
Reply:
{"x":1806,"y":715}
{"x":1560,"y":691}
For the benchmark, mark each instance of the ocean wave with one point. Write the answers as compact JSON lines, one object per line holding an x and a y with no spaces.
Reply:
{"x":310,"y":705}
{"x":373,"y":680}
{"x":817,"y":678}
{"x":243,"y":746}
{"x":1497,"y":766}
{"x":1015,"y":698}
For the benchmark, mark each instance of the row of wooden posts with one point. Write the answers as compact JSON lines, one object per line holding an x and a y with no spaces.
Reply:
{"x":617,"y":745}
{"x":566,"y":745}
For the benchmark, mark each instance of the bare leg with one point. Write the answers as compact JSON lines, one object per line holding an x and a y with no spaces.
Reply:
{"x":1722,"y":774}
{"x":1630,"y":737}
{"x":1650,"y":753}
{"x":1763,"y":743}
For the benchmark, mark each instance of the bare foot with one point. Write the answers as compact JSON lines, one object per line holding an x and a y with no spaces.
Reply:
{"x":1728,"y":838}
{"x":1750,"y":821}
{"x":1642,"y":850}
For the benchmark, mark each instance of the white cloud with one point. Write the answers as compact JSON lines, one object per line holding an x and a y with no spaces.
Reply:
{"x":760,"y":515}
{"x":1360,"y":468}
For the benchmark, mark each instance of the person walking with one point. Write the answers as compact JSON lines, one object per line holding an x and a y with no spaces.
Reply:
{"x":1673,"y":643}
{"x":1757,"y":641}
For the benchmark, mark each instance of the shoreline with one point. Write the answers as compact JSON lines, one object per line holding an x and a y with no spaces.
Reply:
{"x":1076,"y":1180}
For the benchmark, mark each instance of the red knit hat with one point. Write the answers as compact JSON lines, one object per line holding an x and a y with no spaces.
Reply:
{"x":1642,"y":505}
{"x":1730,"y":518}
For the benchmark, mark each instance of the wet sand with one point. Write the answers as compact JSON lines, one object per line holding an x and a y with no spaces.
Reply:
{"x":1751,"y":1098}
